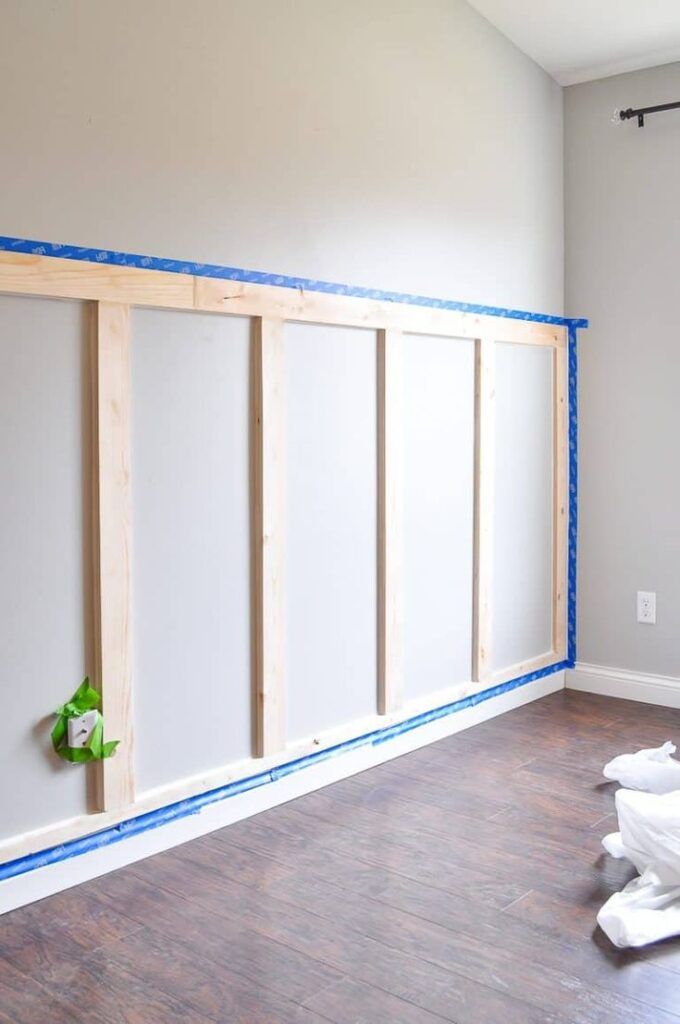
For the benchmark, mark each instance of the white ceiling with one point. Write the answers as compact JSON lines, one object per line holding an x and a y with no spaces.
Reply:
{"x":579,"y":40}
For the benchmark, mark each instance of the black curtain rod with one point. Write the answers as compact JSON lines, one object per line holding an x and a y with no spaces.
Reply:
{"x":625,"y":115}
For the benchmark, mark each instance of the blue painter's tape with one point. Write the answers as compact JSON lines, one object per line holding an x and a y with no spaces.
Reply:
{"x":126,"y":259}
{"x":573,"y":494}
{"x":193,"y":805}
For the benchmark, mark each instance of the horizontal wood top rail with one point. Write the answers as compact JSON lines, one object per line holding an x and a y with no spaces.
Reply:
{"x":51,"y":276}
{"x":216,"y":295}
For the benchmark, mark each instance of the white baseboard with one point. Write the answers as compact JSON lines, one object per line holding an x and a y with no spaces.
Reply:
{"x":618,"y":682}
{"x":45,"y":881}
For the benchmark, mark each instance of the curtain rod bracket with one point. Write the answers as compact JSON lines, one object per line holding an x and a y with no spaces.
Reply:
{"x":641,"y":112}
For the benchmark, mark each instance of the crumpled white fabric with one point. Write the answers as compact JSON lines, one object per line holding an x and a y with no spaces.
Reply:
{"x":653,"y":771}
{"x":648,"y":908}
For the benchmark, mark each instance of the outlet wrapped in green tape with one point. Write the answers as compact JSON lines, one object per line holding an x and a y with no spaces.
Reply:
{"x":83,"y":700}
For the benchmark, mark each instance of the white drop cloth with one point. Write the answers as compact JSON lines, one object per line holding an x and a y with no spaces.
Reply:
{"x":648,"y":811}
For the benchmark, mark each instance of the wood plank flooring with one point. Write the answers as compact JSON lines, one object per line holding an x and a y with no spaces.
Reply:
{"x":458,"y":883}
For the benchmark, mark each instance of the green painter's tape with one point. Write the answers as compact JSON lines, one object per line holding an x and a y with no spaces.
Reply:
{"x":84,"y":699}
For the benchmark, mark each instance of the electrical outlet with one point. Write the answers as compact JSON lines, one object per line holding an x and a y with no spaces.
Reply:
{"x":80,"y":729}
{"x":646,"y":607}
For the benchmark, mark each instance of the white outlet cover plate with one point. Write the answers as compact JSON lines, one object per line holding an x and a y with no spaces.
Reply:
{"x":80,"y":729}
{"x":646,"y":607}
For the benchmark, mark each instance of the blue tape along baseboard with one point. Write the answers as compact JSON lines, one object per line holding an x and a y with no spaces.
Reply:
{"x":193,"y":805}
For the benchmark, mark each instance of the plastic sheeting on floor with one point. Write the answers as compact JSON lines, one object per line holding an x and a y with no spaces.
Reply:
{"x":648,"y":810}
{"x":653,"y":771}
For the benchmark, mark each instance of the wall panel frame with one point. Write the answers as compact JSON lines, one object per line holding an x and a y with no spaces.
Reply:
{"x":113,"y":288}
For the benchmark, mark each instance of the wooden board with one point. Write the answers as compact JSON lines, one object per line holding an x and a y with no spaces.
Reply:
{"x":483,"y":508}
{"x":112,"y":562}
{"x":23,"y":274}
{"x":560,"y":499}
{"x":50,"y":276}
{"x":268,"y":510}
{"x":235,"y":297}
{"x":390,"y":522}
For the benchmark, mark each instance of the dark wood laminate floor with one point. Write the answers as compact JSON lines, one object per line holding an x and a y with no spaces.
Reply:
{"x":458,"y":883}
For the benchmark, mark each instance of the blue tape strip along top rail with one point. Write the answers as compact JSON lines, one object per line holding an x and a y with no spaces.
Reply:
{"x":193,"y":805}
{"x":126,"y":259}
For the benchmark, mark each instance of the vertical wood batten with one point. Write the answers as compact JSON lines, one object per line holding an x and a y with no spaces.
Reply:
{"x":390,"y":521}
{"x":483,"y":507}
{"x":560,"y":500}
{"x":112,"y":556}
{"x":268,"y":512}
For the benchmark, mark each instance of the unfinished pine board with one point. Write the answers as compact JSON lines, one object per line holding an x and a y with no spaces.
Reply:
{"x":46,"y":634}
{"x":560,"y":499}
{"x":299,"y":304}
{"x":390,"y":521}
{"x":52,"y":276}
{"x":522,"y":668}
{"x":29,"y":274}
{"x":483,"y":535}
{"x":190,"y":462}
{"x":113,"y":549}
{"x":438,"y":442}
{"x":523,"y":505}
{"x":268,"y":535}
{"x":331,"y":527}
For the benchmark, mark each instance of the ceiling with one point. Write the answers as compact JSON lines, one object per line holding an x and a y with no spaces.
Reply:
{"x":579,"y":40}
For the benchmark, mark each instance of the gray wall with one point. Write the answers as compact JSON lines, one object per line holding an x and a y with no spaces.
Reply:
{"x":438,"y":431}
{"x":623,"y":245}
{"x":191,"y":555}
{"x":365,"y":141}
{"x":45,"y":547}
{"x":523,"y":509}
{"x":330,"y":545}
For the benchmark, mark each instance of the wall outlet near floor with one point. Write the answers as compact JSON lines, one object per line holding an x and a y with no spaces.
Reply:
{"x":79,"y":730}
{"x":646,"y":607}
